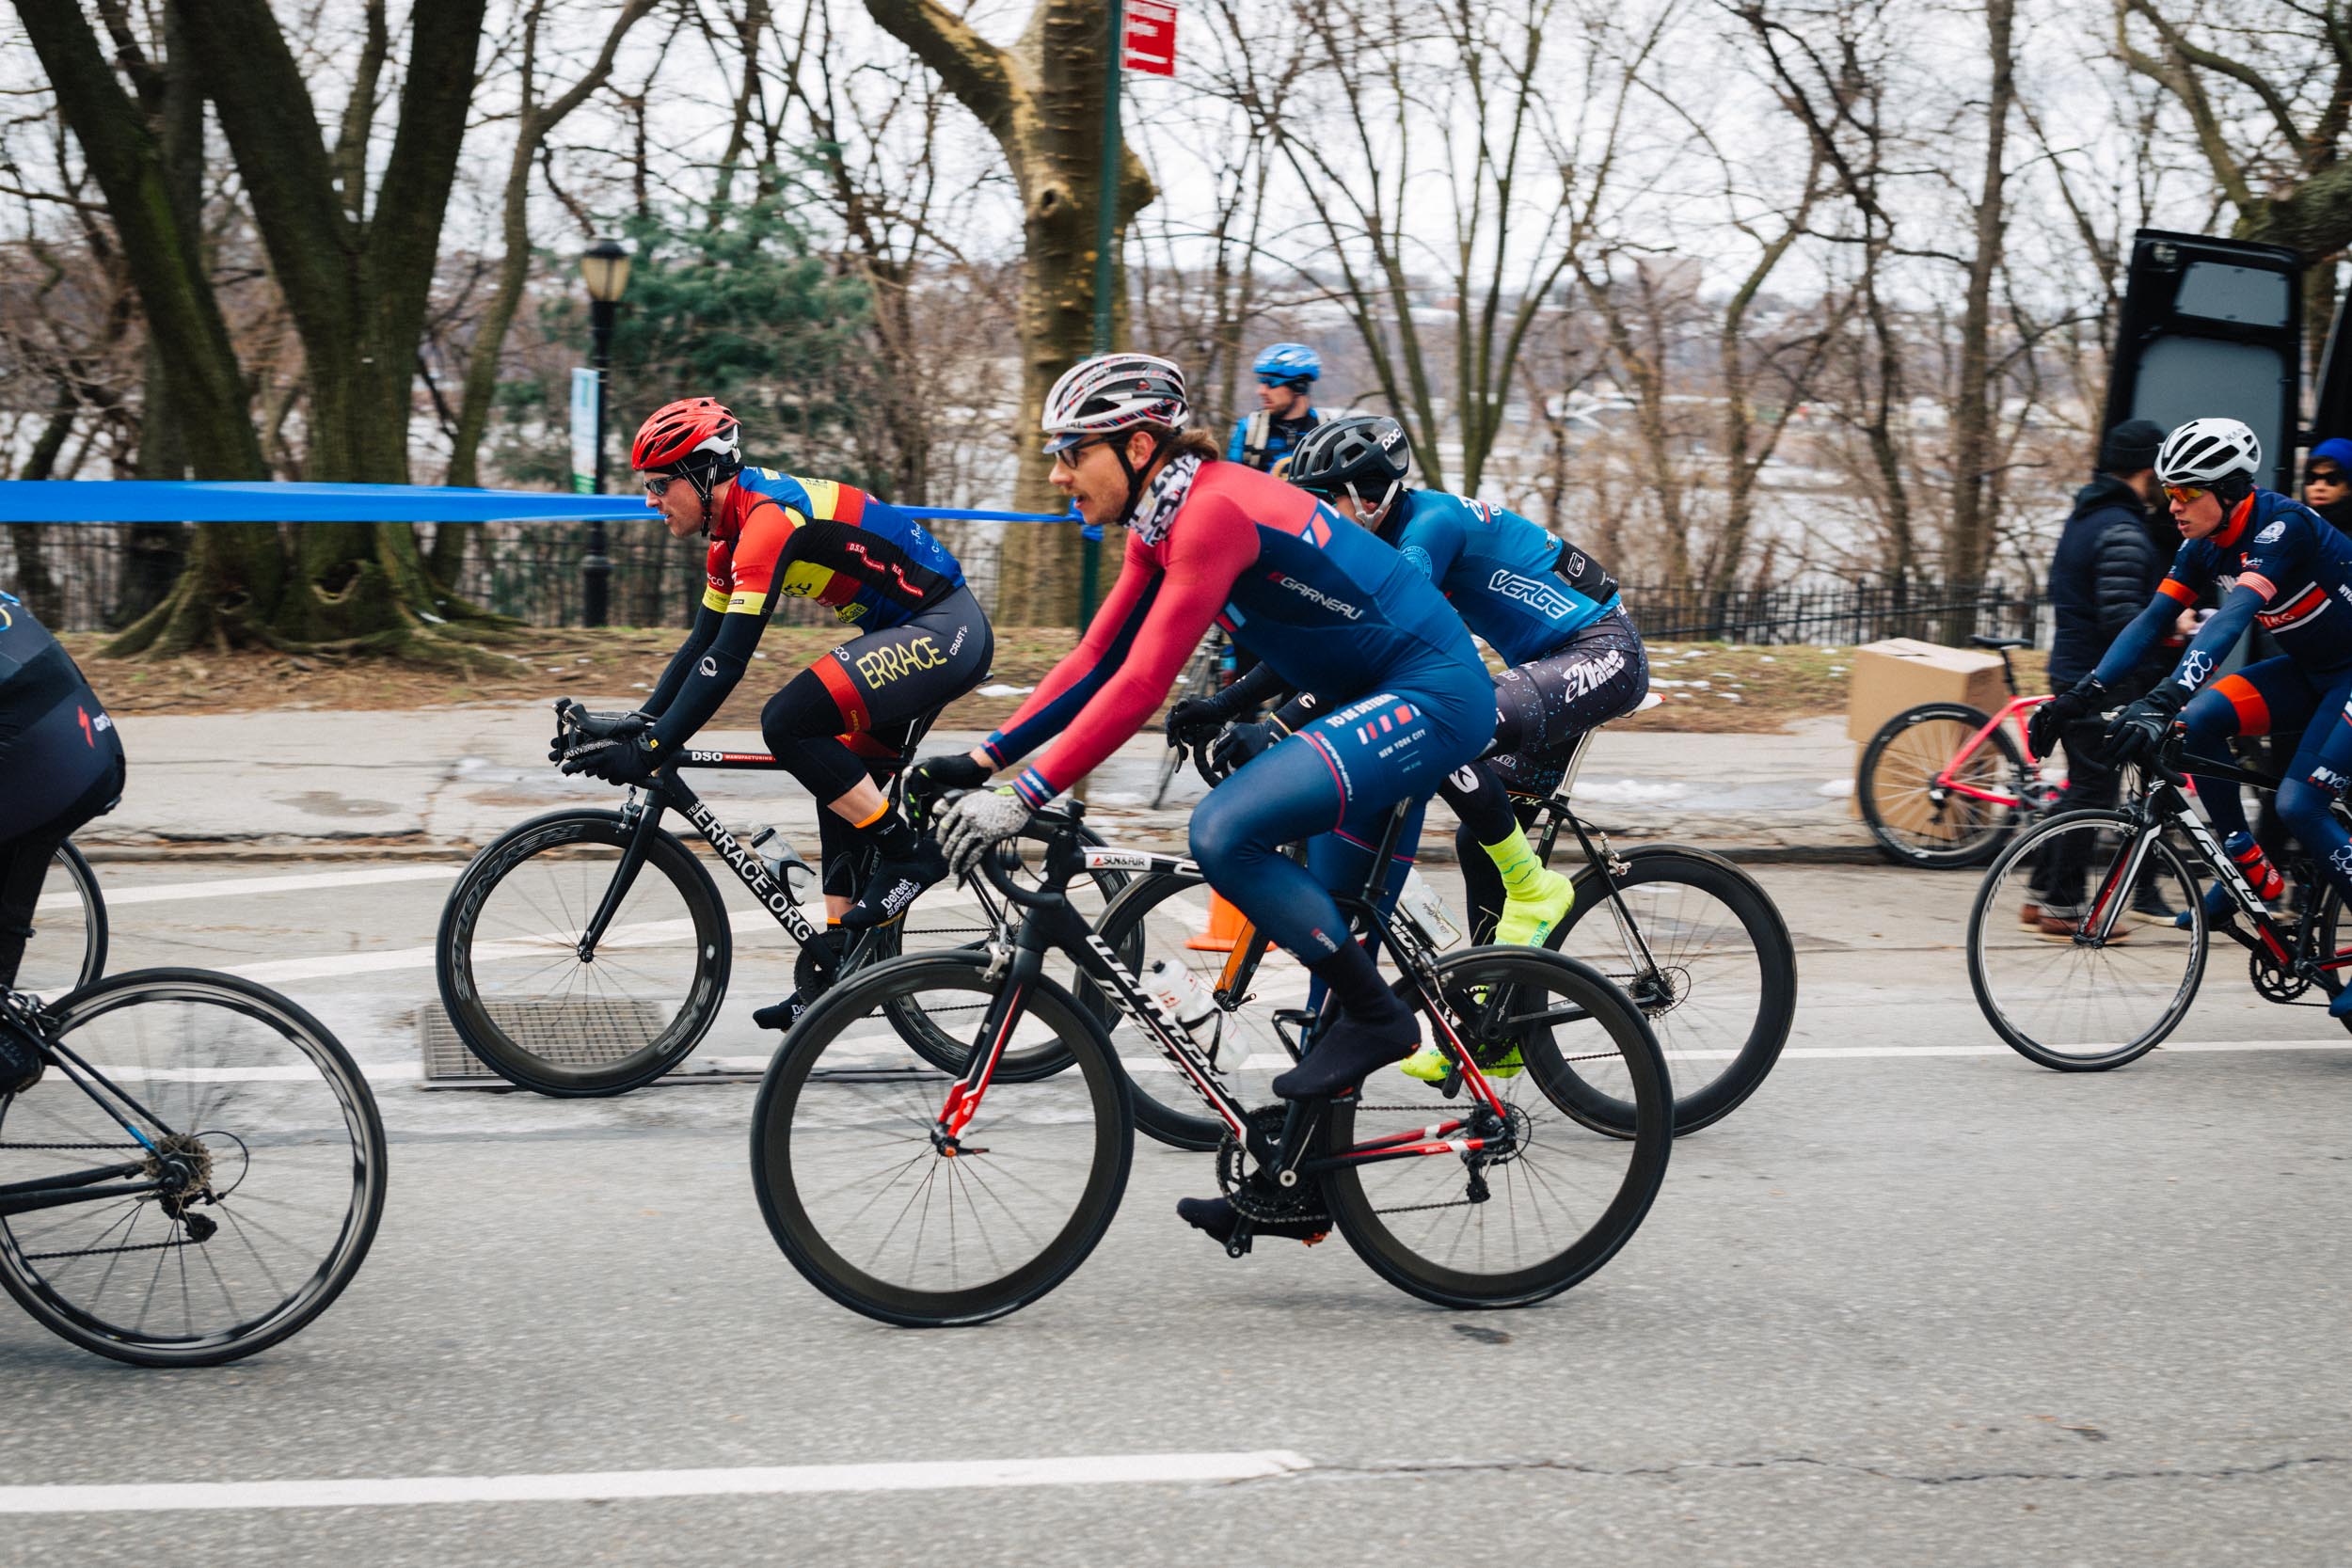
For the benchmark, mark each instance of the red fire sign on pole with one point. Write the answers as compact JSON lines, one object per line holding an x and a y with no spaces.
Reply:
{"x":1151,"y":36}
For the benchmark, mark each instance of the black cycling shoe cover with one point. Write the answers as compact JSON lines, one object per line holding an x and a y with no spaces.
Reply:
{"x":894,"y":885}
{"x":1350,"y":1049}
{"x":784,"y":1014}
{"x":20,"y":1064}
{"x":1217,"y":1216}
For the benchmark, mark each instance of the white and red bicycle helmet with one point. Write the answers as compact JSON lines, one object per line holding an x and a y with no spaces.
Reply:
{"x":692,"y":436}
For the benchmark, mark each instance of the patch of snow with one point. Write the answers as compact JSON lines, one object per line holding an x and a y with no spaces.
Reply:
{"x":1836,"y":789}
{"x":1002,"y":691}
{"x":1629,"y":792}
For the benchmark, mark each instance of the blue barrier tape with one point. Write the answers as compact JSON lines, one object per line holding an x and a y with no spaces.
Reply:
{"x":133,"y":500}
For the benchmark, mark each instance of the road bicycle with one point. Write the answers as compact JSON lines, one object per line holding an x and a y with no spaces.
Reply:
{"x":925,"y":1197}
{"x":1944,"y":784}
{"x":587,"y":952}
{"x":68,"y":947}
{"x":197,"y":1174}
{"x":2111,"y":991}
{"x":1695,"y":942}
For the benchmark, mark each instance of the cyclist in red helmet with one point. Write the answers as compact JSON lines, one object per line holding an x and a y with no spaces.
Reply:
{"x":841,"y":724}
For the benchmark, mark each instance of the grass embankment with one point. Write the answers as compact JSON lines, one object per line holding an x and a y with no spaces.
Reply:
{"x":1709,"y":688}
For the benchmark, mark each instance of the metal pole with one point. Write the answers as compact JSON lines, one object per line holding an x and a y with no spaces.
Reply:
{"x":1105,"y":271}
{"x":596,"y":567}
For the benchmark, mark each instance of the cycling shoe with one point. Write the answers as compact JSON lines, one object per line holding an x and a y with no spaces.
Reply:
{"x":1527,"y":921}
{"x":1218,"y":1217}
{"x":1350,"y":1049}
{"x":894,"y":885}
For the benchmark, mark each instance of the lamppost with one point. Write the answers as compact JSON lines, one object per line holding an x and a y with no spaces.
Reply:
{"x":604,"y":267}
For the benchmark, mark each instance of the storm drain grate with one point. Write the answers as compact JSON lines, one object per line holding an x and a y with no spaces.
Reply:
{"x":570,"y":1032}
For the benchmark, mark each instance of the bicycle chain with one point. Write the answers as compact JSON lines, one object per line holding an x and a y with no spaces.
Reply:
{"x":103,"y":1251}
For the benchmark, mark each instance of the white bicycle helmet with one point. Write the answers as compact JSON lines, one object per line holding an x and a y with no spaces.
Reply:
{"x":1112,"y":392}
{"x":2210,"y":452}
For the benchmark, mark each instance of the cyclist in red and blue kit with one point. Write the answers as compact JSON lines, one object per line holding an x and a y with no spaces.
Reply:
{"x":1330,"y":607}
{"x":2293,"y":575}
{"x":915,"y":640}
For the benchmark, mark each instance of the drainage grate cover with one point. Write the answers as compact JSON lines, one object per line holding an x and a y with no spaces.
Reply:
{"x":569,"y":1032}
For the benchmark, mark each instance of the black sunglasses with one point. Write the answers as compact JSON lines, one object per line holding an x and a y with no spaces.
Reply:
{"x":2323,"y":476}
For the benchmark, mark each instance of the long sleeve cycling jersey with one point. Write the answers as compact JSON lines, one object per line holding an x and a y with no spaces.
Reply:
{"x":1330,"y":608}
{"x":1522,"y":589}
{"x":778,"y":536}
{"x":2291,"y":569}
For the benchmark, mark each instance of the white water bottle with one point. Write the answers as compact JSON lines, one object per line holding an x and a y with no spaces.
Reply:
{"x":1179,"y":993}
{"x":1428,"y":911}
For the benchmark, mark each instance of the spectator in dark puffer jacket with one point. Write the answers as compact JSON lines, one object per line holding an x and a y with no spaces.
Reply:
{"x":2107,"y":569}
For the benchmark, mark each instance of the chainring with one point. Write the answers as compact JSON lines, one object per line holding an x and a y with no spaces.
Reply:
{"x":1249,"y":1191}
{"x":2273,"y":983}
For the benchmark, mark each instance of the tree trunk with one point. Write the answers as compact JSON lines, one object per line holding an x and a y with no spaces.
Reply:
{"x":1968,"y":546}
{"x":1042,"y":100}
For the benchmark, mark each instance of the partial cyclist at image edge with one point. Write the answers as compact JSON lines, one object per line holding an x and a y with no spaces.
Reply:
{"x":841,"y":725}
{"x":1287,"y":373}
{"x":1553,"y":615}
{"x":64,"y":766}
{"x":1330,"y":608}
{"x":2294,"y":577}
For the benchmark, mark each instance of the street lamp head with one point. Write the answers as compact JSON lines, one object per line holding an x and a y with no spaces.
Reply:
{"x":604,"y":266}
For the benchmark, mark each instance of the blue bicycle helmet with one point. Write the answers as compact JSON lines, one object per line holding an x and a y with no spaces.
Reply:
{"x":1290,"y":361}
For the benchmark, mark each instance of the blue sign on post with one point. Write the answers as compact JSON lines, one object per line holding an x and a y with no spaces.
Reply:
{"x":583,"y":432}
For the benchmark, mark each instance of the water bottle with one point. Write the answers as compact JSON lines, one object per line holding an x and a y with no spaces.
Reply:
{"x":2255,"y":866}
{"x":1428,"y":911}
{"x":1179,"y":992}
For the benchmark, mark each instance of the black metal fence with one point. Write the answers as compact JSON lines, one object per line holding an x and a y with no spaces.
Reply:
{"x":94,"y":577}
{"x":1846,"y":614}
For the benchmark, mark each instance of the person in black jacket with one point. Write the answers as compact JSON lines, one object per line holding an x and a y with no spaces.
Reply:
{"x":2107,"y":568}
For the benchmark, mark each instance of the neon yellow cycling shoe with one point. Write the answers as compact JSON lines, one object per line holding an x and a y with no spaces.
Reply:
{"x":1531,"y":911}
{"x":1429,"y":1064}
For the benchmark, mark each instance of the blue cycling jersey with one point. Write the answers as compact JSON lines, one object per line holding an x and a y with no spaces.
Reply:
{"x":1523,"y":589}
{"x":1264,"y":442}
{"x":2293,"y":578}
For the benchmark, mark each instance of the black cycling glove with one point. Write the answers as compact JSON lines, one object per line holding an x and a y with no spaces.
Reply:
{"x":2141,"y":727}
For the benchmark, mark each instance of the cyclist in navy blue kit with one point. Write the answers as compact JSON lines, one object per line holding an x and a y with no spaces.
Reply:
{"x":1330,"y":607}
{"x":63,"y":764}
{"x":2293,"y":575}
{"x":1286,"y":375}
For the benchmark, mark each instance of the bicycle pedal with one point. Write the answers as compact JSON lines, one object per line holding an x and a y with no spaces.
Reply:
{"x":1238,"y":1245}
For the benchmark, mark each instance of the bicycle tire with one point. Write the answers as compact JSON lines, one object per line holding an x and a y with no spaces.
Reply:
{"x":473,"y":1014}
{"x":1179,"y":1121}
{"x":2330,"y":925}
{"x":788,"y":1086}
{"x":1879,"y":802}
{"x":1699,"y":1101}
{"x":46,"y":968}
{"x":40,"y":1292}
{"x":1985,"y":916}
{"x":1410,"y":1269}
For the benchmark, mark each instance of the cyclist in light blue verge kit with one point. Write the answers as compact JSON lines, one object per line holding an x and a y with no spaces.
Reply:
{"x":1328,"y":606}
{"x":2293,"y":575}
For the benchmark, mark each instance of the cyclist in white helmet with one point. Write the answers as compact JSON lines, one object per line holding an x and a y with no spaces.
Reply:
{"x":2293,"y":575}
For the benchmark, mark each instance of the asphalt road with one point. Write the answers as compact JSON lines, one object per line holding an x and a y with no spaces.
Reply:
{"x":1905,"y":1306}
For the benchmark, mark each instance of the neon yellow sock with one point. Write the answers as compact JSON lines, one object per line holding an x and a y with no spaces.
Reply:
{"x":1522,"y":873}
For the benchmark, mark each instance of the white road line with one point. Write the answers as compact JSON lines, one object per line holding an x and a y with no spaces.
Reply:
{"x":606,"y":1485}
{"x":237,"y":887}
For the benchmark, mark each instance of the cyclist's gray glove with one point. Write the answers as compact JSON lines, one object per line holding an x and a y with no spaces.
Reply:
{"x":2046,"y":723}
{"x":615,"y":761}
{"x":978,"y":823}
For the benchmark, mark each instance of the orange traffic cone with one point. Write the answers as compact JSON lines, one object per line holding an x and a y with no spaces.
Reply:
{"x":1225,"y":926}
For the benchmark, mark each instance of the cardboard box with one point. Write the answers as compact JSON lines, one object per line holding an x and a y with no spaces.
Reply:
{"x":1902,"y":673}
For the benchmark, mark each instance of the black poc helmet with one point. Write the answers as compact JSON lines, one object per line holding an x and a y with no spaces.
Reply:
{"x":1366,"y":455}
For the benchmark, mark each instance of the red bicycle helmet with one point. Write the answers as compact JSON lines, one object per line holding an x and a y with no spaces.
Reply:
{"x":698,"y":437}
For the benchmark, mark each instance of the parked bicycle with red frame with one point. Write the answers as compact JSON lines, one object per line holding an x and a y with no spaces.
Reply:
{"x":1945,"y":784}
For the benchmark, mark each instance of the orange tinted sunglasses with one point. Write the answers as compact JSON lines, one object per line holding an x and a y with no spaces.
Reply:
{"x":2186,"y":494}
